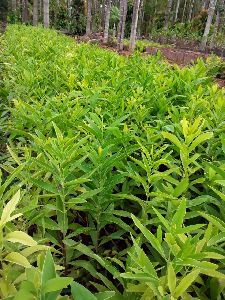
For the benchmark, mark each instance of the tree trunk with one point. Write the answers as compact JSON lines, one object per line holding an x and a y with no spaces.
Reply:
{"x":103,"y":14}
{"x":46,"y":13}
{"x":177,"y":11}
{"x":107,"y":19}
{"x":167,"y":13}
{"x":134,"y":25}
{"x":13,"y":4}
{"x":184,"y":10}
{"x":217,"y":23}
{"x":24,"y":11}
{"x":89,"y":18}
{"x":212,"y":6}
{"x":123,"y":15}
{"x":35,"y":12}
{"x":140,"y":18}
{"x":69,"y":8}
{"x":191,"y":10}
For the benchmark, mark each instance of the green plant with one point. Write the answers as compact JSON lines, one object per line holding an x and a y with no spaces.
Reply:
{"x":43,"y":283}
{"x":120,"y":163}
{"x":183,"y":260}
{"x":11,"y":253}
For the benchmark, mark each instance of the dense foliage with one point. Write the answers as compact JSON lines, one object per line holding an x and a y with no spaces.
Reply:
{"x":115,"y":169}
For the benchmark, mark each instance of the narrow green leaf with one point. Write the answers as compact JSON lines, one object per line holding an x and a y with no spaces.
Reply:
{"x":181,"y":187}
{"x":9,"y":209}
{"x":173,"y":139}
{"x":179,"y":216}
{"x":185,"y":283}
{"x":45,"y":185}
{"x":149,"y":236}
{"x":200,"y":139}
{"x":48,"y":271}
{"x":171,"y":278}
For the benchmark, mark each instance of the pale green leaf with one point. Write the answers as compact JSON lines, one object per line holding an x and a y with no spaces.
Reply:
{"x":9,"y":209}
{"x":17,"y":258}
{"x":173,"y":139}
{"x":171,"y":278}
{"x":20,"y":237}
{"x":200,"y":139}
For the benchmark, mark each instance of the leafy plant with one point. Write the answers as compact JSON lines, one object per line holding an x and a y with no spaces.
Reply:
{"x":120,"y":163}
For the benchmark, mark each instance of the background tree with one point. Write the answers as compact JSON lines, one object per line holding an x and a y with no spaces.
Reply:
{"x":89,"y":17}
{"x":191,"y":10}
{"x":177,"y":10}
{"x":133,"y":33}
{"x":35,"y":12}
{"x":121,"y":29}
{"x":107,"y":19}
{"x":46,"y":13}
{"x":25,"y":13}
{"x":167,"y":13}
{"x":212,"y":6}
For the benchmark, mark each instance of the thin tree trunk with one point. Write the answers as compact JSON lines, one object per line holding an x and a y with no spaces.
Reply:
{"x":35,"y":12}
{"x":24,"y":11}
{"x":141,"y":16}
{"x":107,"y":19}
{"x":212,"y":6}
{"x":123,"y":15}
{"x":13,"y":4}
{"x":177,"y":11}
{"x":46,"y":13}
{"x":167,"y":13}
{"x":69,"y":8}
{"x":191,"y":10}
{"x":89,"y":17}
{"x":217,"y":24}
{"x":184,"y":10}
{"x":103,"y":14}
{"x":134,"y":25}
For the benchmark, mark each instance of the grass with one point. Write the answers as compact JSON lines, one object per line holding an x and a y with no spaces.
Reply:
{"x":120,"y":166}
